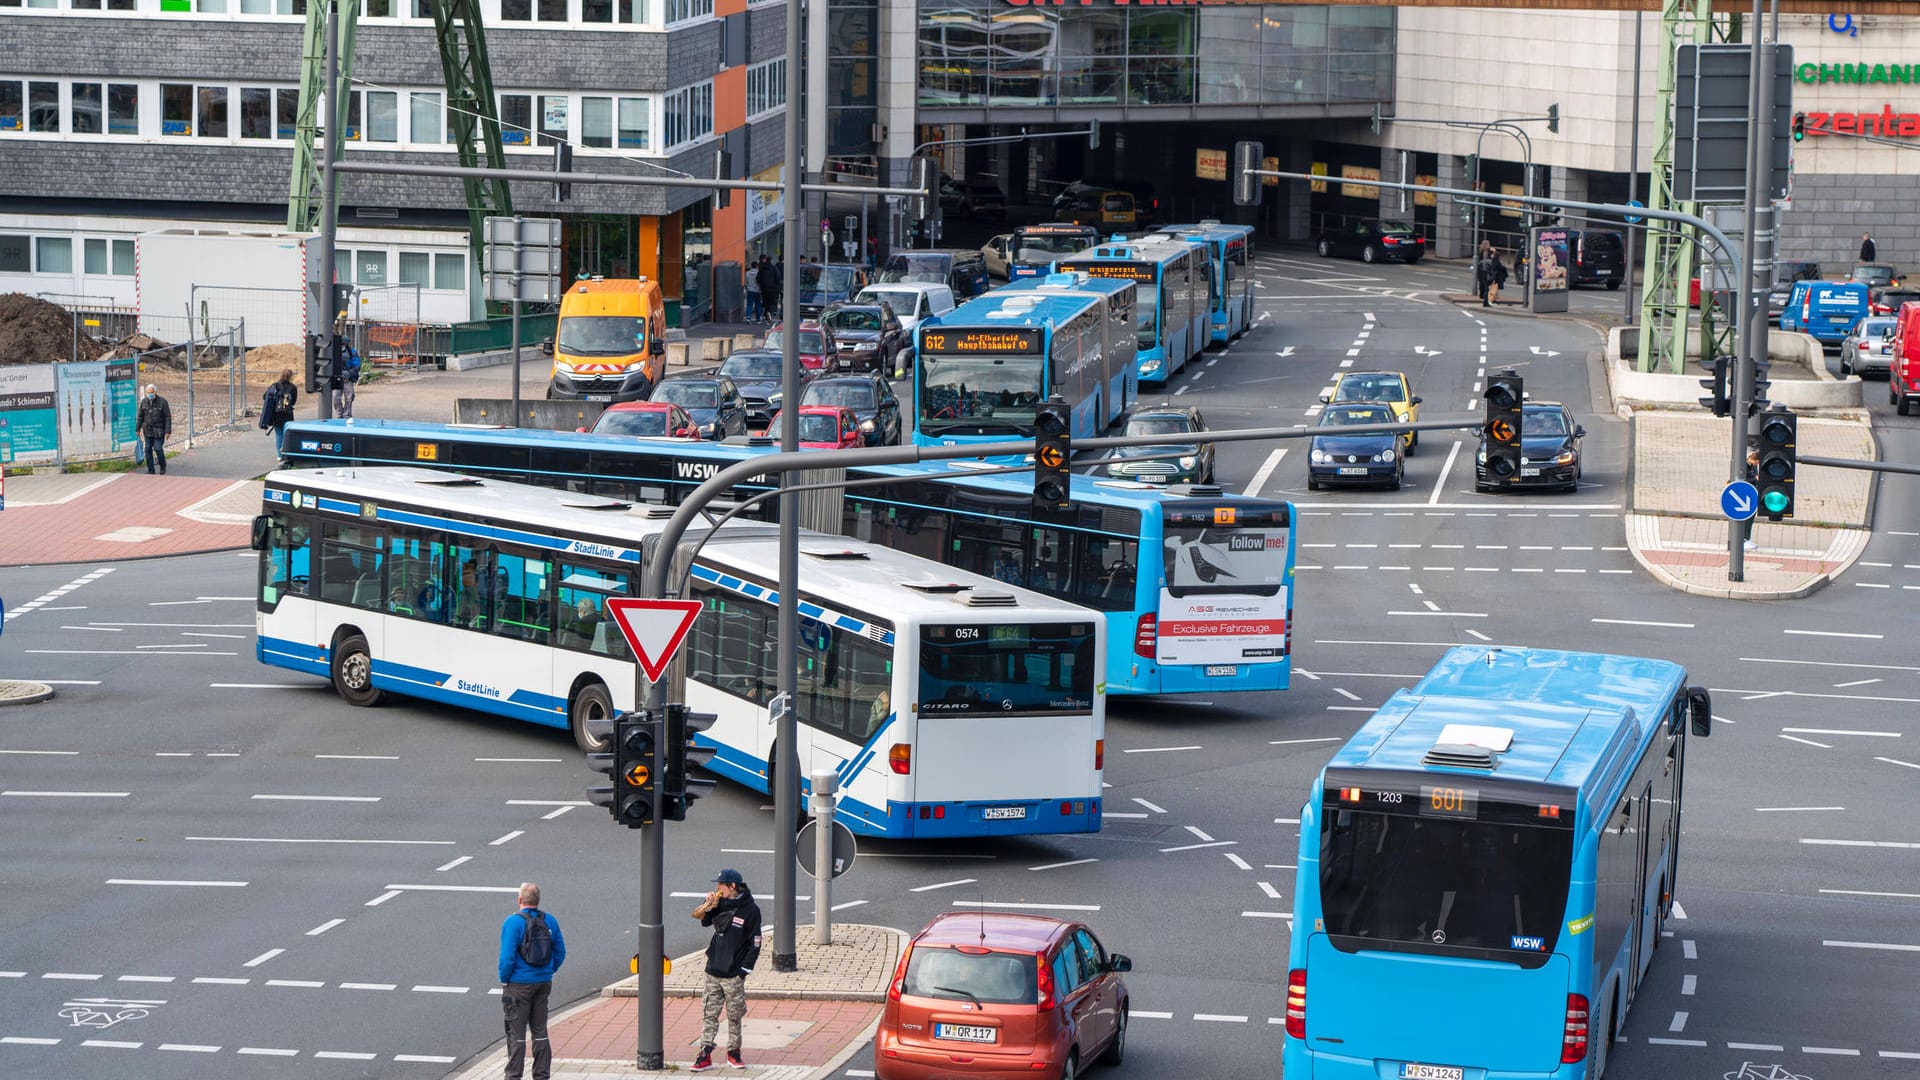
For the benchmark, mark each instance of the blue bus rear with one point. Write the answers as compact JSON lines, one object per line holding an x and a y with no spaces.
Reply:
{"x":1451,"y":853}
{"x":1230,"y":257}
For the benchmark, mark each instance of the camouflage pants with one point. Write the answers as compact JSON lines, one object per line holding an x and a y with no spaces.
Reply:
{"x":732,"y":993}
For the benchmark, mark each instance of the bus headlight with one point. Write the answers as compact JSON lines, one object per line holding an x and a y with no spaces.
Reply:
{"x":1150,"y":367}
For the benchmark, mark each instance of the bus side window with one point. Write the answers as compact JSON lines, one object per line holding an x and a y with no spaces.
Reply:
{"x":351,"y":569}
{"x":289,"y":561}
{"x":521,"y":605}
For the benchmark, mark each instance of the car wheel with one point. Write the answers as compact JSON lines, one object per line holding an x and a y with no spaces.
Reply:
{"x":1846,"y":366}
{"x":1393,"y":483}
{"x":1325,"y":248}
{"x":1368,"y":254}
{"x":591,"y":702}
{"x":1117,"y":1049}
{"x":1613,"y":284}
{"x":1072,"y":1068}
{"x":353,"y":672}
{"x":1312,"y":484}
{"x":1413,"y":261}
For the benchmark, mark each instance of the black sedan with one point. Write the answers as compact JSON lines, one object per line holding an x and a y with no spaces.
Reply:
{"x":1338,"y":458}
{"x":870,"y":398}
{"x":756,"y":374}
{"x":1374,"y":241}
{"x":867,"y":337}
{"x":1549,"y":450}
{"x":1191,"y":463}
{"x":712,"y":400}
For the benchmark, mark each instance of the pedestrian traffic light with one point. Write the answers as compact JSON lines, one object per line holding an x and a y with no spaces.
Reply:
{"x":1799,"y":126}
{"x":1719,"y":403}
{"x":1247,"y":156}
{"x":681,"y":788}
{"x":1052,"y":451}
{"x":1501,"y":436}
{"x":633,"y":739}
{"x":1779,"y":435}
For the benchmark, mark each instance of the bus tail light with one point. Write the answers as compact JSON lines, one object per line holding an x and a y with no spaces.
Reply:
{"x":1047,"y":1000}
{"x":1573,"y":1048}
{"x":900,"y":758}
{"x":1145,"y":632}
{"x":1099,"y":754}
{"x":1297,"y":1003}
{"x":899,"y":975}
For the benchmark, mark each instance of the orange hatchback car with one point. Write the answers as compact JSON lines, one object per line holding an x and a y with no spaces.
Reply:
{"x":985,"y":994}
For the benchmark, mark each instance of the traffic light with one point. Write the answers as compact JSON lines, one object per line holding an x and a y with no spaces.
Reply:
{"x":1758,"y":402}
{"x":1799,"y":126}
{"x":1052,"y":451}
{"x":1719,"y":403}
{"x":1473,"y":169}
{"x":681,"y":788}
{"x":1093,"y":134}
{"x":1376,"y":118}
{"x":562,"y":163}
{"x":1779,"y":435}
{"x":1553,"y":118}
{"x":1247,"y":156}
{"x":1504,"y":396}
{"x":632,"y":766}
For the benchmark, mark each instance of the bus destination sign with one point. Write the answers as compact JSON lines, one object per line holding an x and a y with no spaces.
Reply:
{"x":980,"y":341}
{"x":1129,"y":271}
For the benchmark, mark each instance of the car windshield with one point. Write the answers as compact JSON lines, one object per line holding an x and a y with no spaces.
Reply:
{"x":924,"y":266}
{"x":831,"y":279}
{"x":1370,"y":388}
{"x":902,"y":302}
{"x":1356,"y":414}
{"x":691,"y":395}
{"x":1877,"y":327}
{"x":1047,"y":248}
{"x":632,"y":422}
{"x":1004,"y":978}
{"x":811,"y":341}
{"x":853,"y":319}
{"x":852,"y":395}
{"x":601,"y":335}
{"x":751,"y":367}
{"x":1159,"y":425}
{"x":818,"y":427}
{"x":1873,"y":275}
{"x":1543,"y":422}
{"x":1115,"y":202}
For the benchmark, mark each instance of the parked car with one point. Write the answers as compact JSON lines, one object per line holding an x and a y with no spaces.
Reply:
{"x":756,"y":374}
{"x":1194,"y":463}
{"x":963,"y":270}
{"x":868,"y":336}
{"x":817,"y":344}
{"x":911,"y":301}
{"x":1869,"y":349}
{"x":997,"y":994}
{"x":1549,"y":450}
{"x":1334,"y":457}
{"x":1373,"y":241}
{"x":828,"y":283}
{"x":1827,"y":310}
{"x":712,"y":400}
{"x":870,"y":398}
{"x":824,"y":427}
{"x":651,"y":419}
{"x":1393,"y":388}
{"x":1146,"y":206}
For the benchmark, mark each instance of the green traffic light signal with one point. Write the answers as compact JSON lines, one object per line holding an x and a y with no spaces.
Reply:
{"x":1799,"y":126}
{"x":1774,"y":501}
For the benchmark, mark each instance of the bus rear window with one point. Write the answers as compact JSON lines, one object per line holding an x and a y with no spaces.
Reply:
{"x":1228,"y":560}
{"x":1421,"y":884}
{"x":1006,"y":670}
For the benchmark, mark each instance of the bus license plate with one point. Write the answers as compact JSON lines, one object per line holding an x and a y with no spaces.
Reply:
{"x":1410,"y":1071}
{"x":1222,"y":669}
{"x":973,"y":1033}
{"x":1003,"y":813}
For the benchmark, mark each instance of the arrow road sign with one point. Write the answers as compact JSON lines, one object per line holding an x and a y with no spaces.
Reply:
{"x":654,"y":629}
{"x":1739,"y":500}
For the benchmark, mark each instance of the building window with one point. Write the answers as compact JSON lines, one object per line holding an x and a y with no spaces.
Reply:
{"x":613,"y":11}
{"x":383,"y":116}
{"x":553,"y":119}
{"x":286,"y":113}
{"x":13,"y":109}
{"x":83,"y":114}
{"x":636,"y":114}
{"x":689,"y":114}
{"x":533,"y":10}
{"x":43,"y":106}
{"x":123,"y":109}
{"x":682,"y":10}
{"x":353,"y":117}
{"x":123,"y":258}
{"x":424,"y":125}
{"x":371,"y":267}
{"x":176,"y":109}
{"x":94,"y":253}
{"x":596,"y":121}
{"x":52,"y":255}
{"x":516,"y":119}
{"x":213,"y":112}
{"x":256,"y":112}
{"x":766,"y":86}
{"x":13,"y":255}
{"x":414,"y":266}
{"x":449,"y":271}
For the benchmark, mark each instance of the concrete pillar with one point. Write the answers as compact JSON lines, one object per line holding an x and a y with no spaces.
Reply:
{"x":1568,"y":183}
{"x":1453,"y":237}
{"x":1298,"y":155}
{"x":1394,"y":203}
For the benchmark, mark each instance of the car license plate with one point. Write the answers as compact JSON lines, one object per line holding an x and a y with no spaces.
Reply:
{"x":599,"y":397}
{"x":1222,"y":669}
{"x":1524,"y":473}
{"x":1410,"y":1071}
{"x":1353,"y":471}
{"x":1002,"y":813}
{"x":973,"y":1033}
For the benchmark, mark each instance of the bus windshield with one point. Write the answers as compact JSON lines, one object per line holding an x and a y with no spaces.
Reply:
{"x":979,"y":395}
{"x":1029,"y":248}
{"x":1006,"y":670}
{"x":601,"y":335}
{"x":1395,"y":879}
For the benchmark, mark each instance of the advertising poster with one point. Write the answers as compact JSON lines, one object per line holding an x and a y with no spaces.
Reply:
{"x":1225,"y":597}
{"x":123,"y":396}
{"x":84,"y":413}
{"x":765,"y":208}
{"x":1359,"y":191}
{"x":1210,"y":164}
{"x":28,"y":421}
{"x":1549,"y":260}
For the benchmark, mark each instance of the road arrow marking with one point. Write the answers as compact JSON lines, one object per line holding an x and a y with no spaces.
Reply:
{"x":1284,"y":353}
{"x":1538,"y":351}
{"x":1424,"y":351}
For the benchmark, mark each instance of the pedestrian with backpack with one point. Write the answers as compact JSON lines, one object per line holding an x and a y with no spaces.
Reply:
{"x":346,"y":373}
{"x":276,"y":411}
{"x":731,"y":953}
{"x":531,"y":950}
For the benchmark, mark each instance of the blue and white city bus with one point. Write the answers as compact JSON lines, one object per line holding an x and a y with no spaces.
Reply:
{"x":981,"y":370}
{"x":1035,"y":248}
{"x":1230,"y":255}
{"x":1195,"y":586}
{"x":914,"y":677}
{"x":1171,"y":312}
{"x":1496,"y":849}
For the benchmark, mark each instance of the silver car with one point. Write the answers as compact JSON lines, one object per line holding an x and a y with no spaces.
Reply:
{"x":1869,"y":349}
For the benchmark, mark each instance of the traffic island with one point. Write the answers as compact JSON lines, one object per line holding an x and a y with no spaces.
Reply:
{"x":21,"y":692}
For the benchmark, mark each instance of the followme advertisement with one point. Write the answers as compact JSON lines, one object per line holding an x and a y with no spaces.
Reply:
{"x":1225,"y":597}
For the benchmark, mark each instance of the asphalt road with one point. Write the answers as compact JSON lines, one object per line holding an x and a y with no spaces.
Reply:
{"x":262,"y":881}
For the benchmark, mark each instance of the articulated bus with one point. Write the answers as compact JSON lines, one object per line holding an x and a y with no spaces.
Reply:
{"x":1230,"y":253}
{"x":914,"y":678}
{"x":1035,"y":248}
{"x":980,"y":370}
{"x":1195,"y":587}
{"x":1498,"y":847}
{"x":1171,"y":314}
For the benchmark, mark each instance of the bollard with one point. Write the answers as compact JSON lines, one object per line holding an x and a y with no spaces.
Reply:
{"x":745,"y":341}
{"x":825,"y":783}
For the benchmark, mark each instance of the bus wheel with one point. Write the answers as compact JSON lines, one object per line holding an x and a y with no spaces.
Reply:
{"x":590,"y":702}
{"x":353,"y":672}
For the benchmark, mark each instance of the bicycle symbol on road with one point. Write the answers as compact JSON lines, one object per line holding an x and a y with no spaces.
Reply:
{"x":1749,"y":1071}
{"x":105,"y":1012}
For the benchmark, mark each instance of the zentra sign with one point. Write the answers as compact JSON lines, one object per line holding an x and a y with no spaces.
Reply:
{"x":1884,"y":122}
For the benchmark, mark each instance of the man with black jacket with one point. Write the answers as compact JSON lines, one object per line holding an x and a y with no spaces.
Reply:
{"x":735,"y":948}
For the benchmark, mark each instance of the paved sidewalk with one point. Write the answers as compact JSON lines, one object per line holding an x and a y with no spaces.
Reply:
{"x":800,"y":1025}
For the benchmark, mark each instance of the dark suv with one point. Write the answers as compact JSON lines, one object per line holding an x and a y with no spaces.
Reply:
{"x":962,"y":270}
{"x":867,"y":337}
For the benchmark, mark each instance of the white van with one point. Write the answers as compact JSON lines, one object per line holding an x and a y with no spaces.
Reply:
{"x":911,"y":300}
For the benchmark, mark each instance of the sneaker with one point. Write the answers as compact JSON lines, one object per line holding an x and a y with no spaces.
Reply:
{"x":733,"y":1059}
{"x":704,"y":1061}
{"x":1750,"y":546}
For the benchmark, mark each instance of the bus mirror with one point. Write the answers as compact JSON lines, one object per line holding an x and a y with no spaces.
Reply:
{"x":262,"y":529}
{"x":1700,"y":710}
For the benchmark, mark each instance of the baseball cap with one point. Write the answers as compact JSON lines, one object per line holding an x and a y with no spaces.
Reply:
{"x":729,"y":876}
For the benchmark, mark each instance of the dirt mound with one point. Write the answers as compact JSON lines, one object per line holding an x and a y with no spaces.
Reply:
{"x":265,"y":363}
{"x":33,"y":331}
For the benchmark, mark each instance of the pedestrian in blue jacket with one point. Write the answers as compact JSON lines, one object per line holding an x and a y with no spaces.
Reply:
{"x":531,"y":950}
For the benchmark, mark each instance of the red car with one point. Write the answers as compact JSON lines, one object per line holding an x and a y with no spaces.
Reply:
{"x":654,"y":419}
{"x":824,"y":427}
{"x":817,"y":345}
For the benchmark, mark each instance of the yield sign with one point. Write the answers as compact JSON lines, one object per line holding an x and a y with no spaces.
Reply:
{"x":654,"y":629}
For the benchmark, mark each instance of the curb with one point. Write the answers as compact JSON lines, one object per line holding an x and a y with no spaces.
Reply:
{"x":492,"y":1061}
{"x":848,"y":1052}
{"x":1464,"y":301}
{"x":19,"y":692}
{"x":1850,"y":545}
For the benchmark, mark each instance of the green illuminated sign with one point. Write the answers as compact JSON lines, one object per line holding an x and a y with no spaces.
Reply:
{"x":1774,"y":501}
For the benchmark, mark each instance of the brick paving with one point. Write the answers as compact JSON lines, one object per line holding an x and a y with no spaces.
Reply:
{"x":113,"y":516}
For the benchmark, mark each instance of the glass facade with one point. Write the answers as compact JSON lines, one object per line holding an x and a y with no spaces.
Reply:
{"x":853,"y":76}
{"x":983,"y":52}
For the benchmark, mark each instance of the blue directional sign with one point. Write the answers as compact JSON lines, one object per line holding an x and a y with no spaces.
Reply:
{"x":1739,"y":500}
{"x":1634,"y":219}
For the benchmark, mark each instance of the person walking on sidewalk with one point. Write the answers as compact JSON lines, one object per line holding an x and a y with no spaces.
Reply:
{"x":1499,"y":278}
{"x":769,"y":276}
{"x":731,"y":954}
{"x":1867,"y":251}
{"x":276,"y":411}
{"x":531,"y":950}
{"x":346,"y":372}
{"x":1483,"y":263}
{"x":753,"y":292}
{"x":154,"y":424}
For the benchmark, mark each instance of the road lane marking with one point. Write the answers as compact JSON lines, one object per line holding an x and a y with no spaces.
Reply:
{"x":267,"y":1051}
{"x":1892,"y":761}
{"x":324,"y":927}
{"x":312,"y":840}
{"x":1237,"y":860}
{"x":1678,"y":1023}
{"x":1441,"y":484}
{"x":1880,"y":945}
{"x":1834,"y":633}
{"x":1266,"y":914}
{"x":1295,"y":742}
{"x":1808,"y":742}
{"x":214,"y":980}
{"x":1158,"y":749}
{"x":944,"y":884}
{"x":1898,"y":844}
{"x":1196,"y":847}
{"x":1151,"y":806}
{"x":357,"y":757}
{"x":303,"y":984}
{"x":1265,"y":472}
{"x":1219,"y":1018}
{"x":1687,"y":985}
{"x":68,"y":794}
{"x":1756,"y":1046}
{"x":1643,"y":622}
{"x":1022,"y":906}
{"x":1267,"y":887}
{"x":318,"y":798}
{"x":1062,"y":865}
{"x":185,"y":884}
{"x":1837,"y":1051}
{"x":263,"y":958}
{"x":444,"y":867}
{"x":1195,"y":830}
{"x":112,"y":1044}
{"x":1841,"y":731}
{"x":1883,"y":895}
{"x":1791,"y":809}
{"x":429,"y":989}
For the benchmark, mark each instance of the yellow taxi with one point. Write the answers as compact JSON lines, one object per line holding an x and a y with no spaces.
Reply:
{"x":1391,"y":387}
